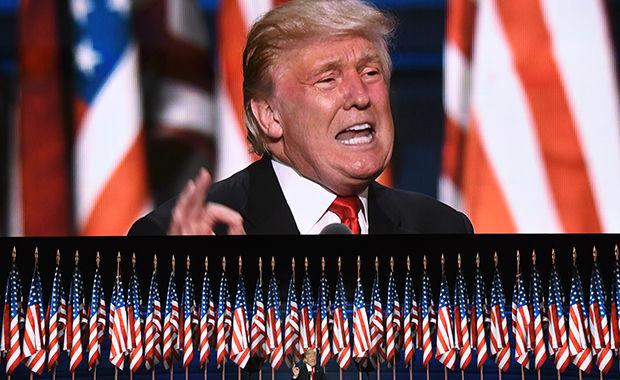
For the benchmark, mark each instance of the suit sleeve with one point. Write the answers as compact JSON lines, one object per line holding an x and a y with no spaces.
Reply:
{"x":147,"y":226}
{"x":469,"y":228}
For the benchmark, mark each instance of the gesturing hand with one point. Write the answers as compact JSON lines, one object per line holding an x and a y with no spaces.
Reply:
{"x":295,"y":371}
{"x":191,"y":216}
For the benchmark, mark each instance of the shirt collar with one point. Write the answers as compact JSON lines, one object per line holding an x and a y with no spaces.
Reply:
{"x":307,"y":199}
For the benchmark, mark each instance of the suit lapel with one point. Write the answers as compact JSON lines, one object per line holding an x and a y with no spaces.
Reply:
{"x":379,"y":222}
{"x":267,"y":211}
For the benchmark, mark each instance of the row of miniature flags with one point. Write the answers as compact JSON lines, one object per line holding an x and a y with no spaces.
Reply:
{"x":458,"y":331}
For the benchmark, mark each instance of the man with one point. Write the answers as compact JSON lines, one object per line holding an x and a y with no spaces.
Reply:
{"x":316,"y":98}
{"x":308,"y":369}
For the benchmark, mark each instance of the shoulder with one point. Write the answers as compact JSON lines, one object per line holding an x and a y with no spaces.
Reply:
{"x":419,"y":212}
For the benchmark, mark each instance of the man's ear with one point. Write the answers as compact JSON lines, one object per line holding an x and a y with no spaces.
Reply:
{"x":268,"y":120}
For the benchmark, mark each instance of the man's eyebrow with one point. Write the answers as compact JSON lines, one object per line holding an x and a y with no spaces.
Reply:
{"x":327,"y":66}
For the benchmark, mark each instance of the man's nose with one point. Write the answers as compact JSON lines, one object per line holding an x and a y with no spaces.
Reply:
{"x":356,"y":92}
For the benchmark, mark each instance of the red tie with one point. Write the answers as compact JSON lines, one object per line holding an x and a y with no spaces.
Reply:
{"x":347,"y":209}
{"x":312,"y":374}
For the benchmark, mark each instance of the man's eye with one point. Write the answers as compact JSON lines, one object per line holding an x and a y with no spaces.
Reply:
{"x":326,"y":80}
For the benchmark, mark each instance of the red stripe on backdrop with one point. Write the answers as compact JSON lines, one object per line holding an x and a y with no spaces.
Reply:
{"x":451,"y":163}
{"x":460,"y":24}
{"x":126,"y":190}
{"x":43,"y":138}
{"x":483,"y":197}
{"x":556,"y":129}
{"x":232,"y":34}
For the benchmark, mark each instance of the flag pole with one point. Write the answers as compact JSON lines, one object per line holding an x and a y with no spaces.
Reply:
{"x":393,"y":368}
{"x":378,"y":363}
{"x":36,"y":262}
{"x":410,"y":360}
{"x":443,"y":263}
{"x":238,"y":367}
{"x":118,"y":273}
{"x":339,"y":367}
{"x":518,"y":275}
{"x":133,"y":267}
{"x":173,"y":262}
{"x":58,"y":266}
{"x":424,"y":264}
{"x":224,"y":359}
{"x":495,"y":262}
{"x":97,"y":261}
{"x":260,"y":283}
{"x":187,"y":261}
{"x":153,"y":368}
{"x":411,"y":369}
{"x":359,"y":264}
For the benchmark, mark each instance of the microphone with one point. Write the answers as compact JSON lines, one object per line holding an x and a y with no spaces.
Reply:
{"x":335,"y":229}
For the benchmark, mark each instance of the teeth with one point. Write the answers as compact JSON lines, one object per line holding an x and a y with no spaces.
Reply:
{"x":358,"y":140}
{"x":359,"y":127}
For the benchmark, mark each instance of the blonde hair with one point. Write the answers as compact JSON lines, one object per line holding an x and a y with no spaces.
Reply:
{"x":296,"y":21}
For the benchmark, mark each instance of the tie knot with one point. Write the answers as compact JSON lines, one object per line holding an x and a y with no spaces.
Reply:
{"x":346,"y":207}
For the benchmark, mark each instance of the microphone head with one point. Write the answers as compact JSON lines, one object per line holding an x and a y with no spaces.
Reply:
{"x":336,"y":229}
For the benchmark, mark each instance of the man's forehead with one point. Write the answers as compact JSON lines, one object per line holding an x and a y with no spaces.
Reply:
{"x":316,"y":54}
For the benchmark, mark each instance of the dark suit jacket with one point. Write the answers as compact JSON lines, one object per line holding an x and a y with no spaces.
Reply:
{"x":305,"y":375}
{"x":256,"y":194}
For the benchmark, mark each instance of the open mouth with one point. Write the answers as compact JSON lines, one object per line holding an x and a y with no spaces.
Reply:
{"x":357,"y":134}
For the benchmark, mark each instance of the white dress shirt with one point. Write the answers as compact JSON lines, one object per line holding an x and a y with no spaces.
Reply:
{"x":309,"y":201}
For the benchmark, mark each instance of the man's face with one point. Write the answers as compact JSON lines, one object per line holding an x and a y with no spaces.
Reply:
{"x":331,"y":100}
{"x":310,"y":358}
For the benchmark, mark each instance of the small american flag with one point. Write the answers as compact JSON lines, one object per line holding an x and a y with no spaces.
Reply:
{"x":96,"y":317}
{"x":291,"y":326}
{"x":119,"y":327}
{"x":615,"y":302}
{"x":521,"y":322}
{"x":428,"y":319}
{"x":578,"y":343}
{"x":461,"y":321}
{"x":341,"y":340}
{"x":446,"y":351}
{"x":186,"y":336}
{"x":479,"y":313}
{"x":322,"y":318}
{"x":171,"y":324}
{"x":153,"y":326}
{"x":12,"y":314}
{"x":392,"y":318}
{"x":134,"y":324}
{"x":57,"y":317}
{"x":361,"y":326}
{"x":224,"y":322}
{"x":274,"y":325}
{"x":73,"y":334}
{"x":34,"y":331}
{"x":558,"y":344}
{"x":411,"y":320}
{"x":377,"y":348}
{"x":306,"y":317}
{"x":500,"y":348}
{"x":258,"y":331}
{"x":240,"y":345}
{"x":599,"y":328}
{"x":207,"y":320}
{"x":536,"y":326}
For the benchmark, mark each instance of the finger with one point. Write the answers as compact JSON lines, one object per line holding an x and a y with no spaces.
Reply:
{"x":215,"y":213}
{"x":180,"y":211}
{"x":199,"y":195}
